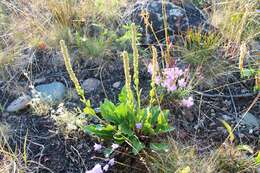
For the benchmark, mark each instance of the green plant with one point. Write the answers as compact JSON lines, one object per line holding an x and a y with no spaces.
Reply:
{"x":88,"y":110}
{"x":199,"y":47}
{"x":124,"y":122}
{"x":124,"y":40}
{"x":252,"y":69}
{"x":95,"y":46}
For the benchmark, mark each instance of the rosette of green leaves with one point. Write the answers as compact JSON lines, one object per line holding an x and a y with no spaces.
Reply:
{"x":120,"y":121}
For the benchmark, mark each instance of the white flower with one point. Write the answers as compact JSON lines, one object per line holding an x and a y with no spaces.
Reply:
{"x":97,"y":169}
{"x":111,"y":162}
{"x":97,"y":147}
{"x":115,"y":146}
{"x":105,"y":168}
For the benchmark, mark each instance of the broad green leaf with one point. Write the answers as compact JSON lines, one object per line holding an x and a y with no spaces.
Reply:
{"x":148,"y":128}
{"x":123,"y":95}
{"x":130,"y":119}
{"x":119,"y":137}
{"x":108,"y":112}
{"x":136,"y":144}
{"x":100,"y":131}
{"x":245,"y":148}
{"x":141,"y":115}
{"x":125,"y":129}
{"x":229,"y":130}
{"x":107,"y":152}
{"x":121,"y":111}
{"x":162,"y":123}
{"x":159,"y":147}
{"x":155,"y":111}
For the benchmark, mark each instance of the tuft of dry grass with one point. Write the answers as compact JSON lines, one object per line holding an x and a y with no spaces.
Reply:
{"x":238,"y":20}
{"x":181,"y":157}
{"x":178,"y":158}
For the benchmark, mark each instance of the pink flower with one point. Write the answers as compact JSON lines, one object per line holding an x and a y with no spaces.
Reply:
{"x":97,"y":169}
{"x":182,"y":83}
{"x":105,"y":168}
{"x":172,"y":88}
{"x":188,"y":102}
{"x":169,"y":84}
{"x":114,"y":146}
{"x":97,"y":147}
{"x":172,"y":73}
{"x":150,"y":68}
{"x":111,"y":162}
{"x":138,"y":125}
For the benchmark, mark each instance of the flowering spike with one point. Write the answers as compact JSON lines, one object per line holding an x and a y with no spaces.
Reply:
{"x":154,"y":75}
{"x":127,"y":78}
{"x":136,"y":63}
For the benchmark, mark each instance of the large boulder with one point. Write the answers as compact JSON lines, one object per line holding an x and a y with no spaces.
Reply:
{"x":180,"y":17}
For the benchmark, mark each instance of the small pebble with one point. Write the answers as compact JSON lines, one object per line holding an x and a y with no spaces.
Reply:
{"x":91,"y":84}
{"x":19,"y":104}
{"x":117,"y":84}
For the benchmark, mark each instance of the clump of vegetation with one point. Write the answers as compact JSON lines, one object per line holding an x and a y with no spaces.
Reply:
{"x":199,"y":47}
{"x":66,"y":120}
{"x":180,"y":158}
{"x":237,"y":19}
{"x":127,"y":121}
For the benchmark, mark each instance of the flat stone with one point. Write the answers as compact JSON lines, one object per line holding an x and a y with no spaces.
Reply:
{"x":91,"y":84}
{"x":251,"y":120}
{"x":117,"y":84}
{"x":52,"y":93}
{"x":19,"y":104}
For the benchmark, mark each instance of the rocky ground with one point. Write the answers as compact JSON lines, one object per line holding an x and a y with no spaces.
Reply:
{"x":51,"y":150}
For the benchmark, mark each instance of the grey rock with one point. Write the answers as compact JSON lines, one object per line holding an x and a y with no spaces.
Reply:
{"x":117,"y":84}
{"x":19,"y":104}
{"x":91,"y":84}
{"x":180,"y":17}
{"x":52,"y":93}
{"x":251,"y":120}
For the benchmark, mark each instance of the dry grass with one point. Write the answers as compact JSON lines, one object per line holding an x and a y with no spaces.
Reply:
{"x":10,"y":160}
{"x":46,"y":22}
{"x":238,"y":20}
{"x":177,"y":158}
{"x":180,"y":157}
